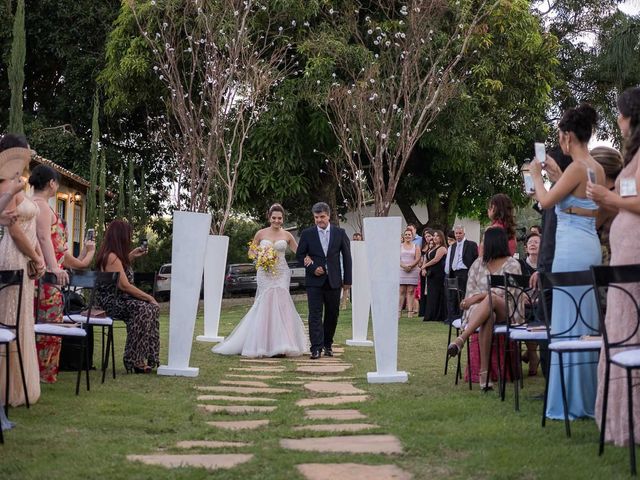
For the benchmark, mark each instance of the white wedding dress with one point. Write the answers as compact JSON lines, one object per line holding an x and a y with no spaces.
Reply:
{"x":272,"y":326}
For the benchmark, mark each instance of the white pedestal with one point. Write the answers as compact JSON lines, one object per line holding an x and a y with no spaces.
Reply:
{"x":360,"y":296}
{"x":383,"y":256}
{"x":215,"y":263}
{"x":190,"y":234}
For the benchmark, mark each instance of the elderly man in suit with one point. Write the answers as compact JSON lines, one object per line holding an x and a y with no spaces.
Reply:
{"x":461,"y":255}
{"x":324,"y":244}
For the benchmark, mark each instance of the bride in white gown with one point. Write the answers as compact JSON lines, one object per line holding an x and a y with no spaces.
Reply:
{"x":272,"y":326}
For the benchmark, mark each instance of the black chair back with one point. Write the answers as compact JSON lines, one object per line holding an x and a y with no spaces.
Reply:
{"x":92,"y":280}
{"x":13,"y":278}
{"x":521,"y":299}
{"x":48,"y":281}
{"x":561,"y":283}
{"x":618,"y":278}
{"x":453,"y":291}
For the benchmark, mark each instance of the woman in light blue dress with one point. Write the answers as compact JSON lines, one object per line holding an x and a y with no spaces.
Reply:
{"x":577,"y":248}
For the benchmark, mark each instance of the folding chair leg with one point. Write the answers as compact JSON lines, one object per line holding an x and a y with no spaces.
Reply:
{"x":546,"y":392}
{"x":86,"y":362}
{"x":105,"y":354}
{"x":469,"y":363}
{"x":632,"y":437}
{"x":24,"y":380}
{"x":503,"y":371}
{"x":113,"y":354}
{"x":446,"y":361}
{"x":82,"y":348}
{"x":516,"y":384}
{"x":565,"y":406}
{"x":6,"y":390}
{"x":603,"y":417}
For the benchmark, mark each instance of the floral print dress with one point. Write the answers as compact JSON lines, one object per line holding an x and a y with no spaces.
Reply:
{"x":50,"y":310}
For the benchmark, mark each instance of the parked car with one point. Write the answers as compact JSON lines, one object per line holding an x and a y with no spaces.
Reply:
{"x":240,"y":278}
{"x":162,"y":286}
{"x":297,"y":276}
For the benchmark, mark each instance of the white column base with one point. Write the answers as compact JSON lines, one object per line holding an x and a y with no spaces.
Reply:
{"x":360,"y":343}
{"x":205,"y":338}
{"x":178,"y":372}
{"x":396,"y":377}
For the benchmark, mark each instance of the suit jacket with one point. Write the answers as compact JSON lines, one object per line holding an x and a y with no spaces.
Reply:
{"x":338,"y":244}
{"x":469,"y":253}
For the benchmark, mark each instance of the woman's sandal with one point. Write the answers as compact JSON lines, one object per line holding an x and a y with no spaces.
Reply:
{"x":454,"y":348}
{"x":486,"y":385}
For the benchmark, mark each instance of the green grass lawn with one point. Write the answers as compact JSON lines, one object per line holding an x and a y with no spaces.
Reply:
{"x":447,"y":431}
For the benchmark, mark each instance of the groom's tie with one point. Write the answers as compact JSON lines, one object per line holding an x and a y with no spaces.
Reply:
{"x":324,"y":240}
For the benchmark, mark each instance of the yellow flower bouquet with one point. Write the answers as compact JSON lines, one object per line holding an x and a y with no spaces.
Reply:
{"x":264,"y":257}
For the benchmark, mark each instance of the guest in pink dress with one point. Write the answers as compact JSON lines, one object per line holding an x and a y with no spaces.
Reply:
{"x":409,"y":271}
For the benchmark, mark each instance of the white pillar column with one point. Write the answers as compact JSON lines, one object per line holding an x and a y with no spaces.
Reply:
{"x":190,"y":234}
{"x":383,"y":254}
{"x":215,"y":263}
{"x":360,"y":296}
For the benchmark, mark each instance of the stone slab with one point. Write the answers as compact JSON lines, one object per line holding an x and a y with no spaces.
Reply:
{"x":326,"y":378}
{"x":330,"y":364}
{"x":254,"y":377}
{"x":259,"y":360}
{"x":292,"y":382}
{"x":242,"y":389}
{"x":340,"y":388}
{"x":257,"y":369}
{"x":210,"y":444}
{"x":235,"y":409}
{"x":210,"y":462}
{"x":232,"y":398}
{"x":338,"y":400}
{"x":337,"y":427}
{"x":352,"y":471}
{"x":245,"y":383}
{"x":387,"y":444}
{"x":334,"y":415}
{"x":239,"y":425}
{"x":322,"y":368}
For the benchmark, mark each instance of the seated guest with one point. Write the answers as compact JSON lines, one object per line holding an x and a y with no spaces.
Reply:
{"x":495,"y":260}
{"x":138,"y":309}
{"x":529,"y":266}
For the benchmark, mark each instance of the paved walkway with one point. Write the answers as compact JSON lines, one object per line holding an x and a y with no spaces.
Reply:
{"x":253,"y":389}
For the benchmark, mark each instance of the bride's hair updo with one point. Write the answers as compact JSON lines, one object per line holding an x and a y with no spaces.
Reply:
{"x":276,"y":207}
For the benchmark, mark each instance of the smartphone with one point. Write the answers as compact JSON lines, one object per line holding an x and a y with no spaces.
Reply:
{"x":591,"y":175}
{"x":529,"y":187}
{"x":91,"y":234}
{"x":144,"y":244}
{"x":541,"y":154}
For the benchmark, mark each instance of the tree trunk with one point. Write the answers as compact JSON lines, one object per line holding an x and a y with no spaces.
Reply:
{"x":409,"y":215}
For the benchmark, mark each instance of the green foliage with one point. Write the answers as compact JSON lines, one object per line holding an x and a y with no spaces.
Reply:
{"x":240,"y":232}
{"x":16,"y":70}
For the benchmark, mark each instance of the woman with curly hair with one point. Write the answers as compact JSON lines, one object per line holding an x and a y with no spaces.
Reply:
{"x":500,"y":211}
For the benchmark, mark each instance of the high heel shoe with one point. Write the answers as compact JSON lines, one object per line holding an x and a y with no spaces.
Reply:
{"x":485,"y":384}
{"x":454,"y":348}
{"x":144,"y":369}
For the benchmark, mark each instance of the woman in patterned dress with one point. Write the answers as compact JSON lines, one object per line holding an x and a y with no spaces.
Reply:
{"x":52,"y":238}
{"x":138,"y":309}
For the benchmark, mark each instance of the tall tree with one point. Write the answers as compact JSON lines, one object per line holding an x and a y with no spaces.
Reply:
{"x":102,"y":194}
{"x":93,"y":167}
{"x":131,"y":196}
{"x":16,"y":70}
{"x":120,"y":212}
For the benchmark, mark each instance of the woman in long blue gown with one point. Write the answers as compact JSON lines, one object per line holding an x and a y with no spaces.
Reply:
{"x":577,"y":248}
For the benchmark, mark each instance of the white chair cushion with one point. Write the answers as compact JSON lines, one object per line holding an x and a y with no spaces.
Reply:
{"x":59,"y":330}
{"x":576,"y":345}
{"x":457,"y":323}
{"x":524,"y":335}
{"x":6,"y":335}
{"x":627,"y":358}
{"x":77,"y":318}
{"x":500,"y":329}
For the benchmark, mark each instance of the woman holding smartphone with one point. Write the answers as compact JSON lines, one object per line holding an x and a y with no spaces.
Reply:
{"x":577,"y":248}
{"x":52,"y":238}
{"x":138,"y":309}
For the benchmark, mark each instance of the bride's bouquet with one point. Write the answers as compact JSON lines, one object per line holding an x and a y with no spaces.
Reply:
{"x":264,"y":257}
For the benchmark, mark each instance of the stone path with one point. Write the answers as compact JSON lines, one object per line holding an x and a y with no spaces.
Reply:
{"x":331,"y":430}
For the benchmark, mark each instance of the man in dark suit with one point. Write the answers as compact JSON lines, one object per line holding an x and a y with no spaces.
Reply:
{"x":324,"y":244}
{"x":463,"y":253}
